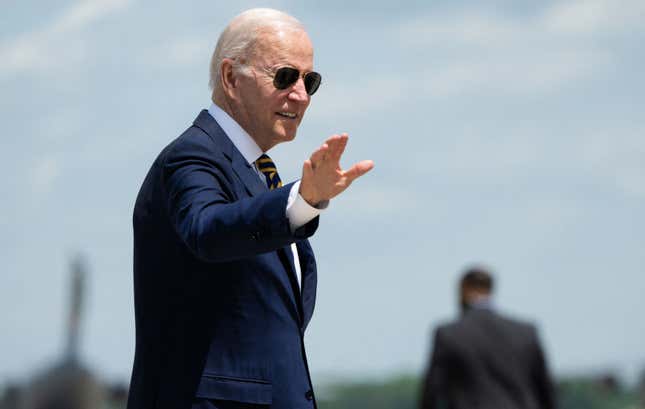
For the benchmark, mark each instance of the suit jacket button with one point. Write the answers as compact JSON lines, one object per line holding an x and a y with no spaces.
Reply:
{"x":309,"y":394}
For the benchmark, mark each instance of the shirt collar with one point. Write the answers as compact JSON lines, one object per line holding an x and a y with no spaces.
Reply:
{"x":483,"y":303}
{"x":240,"y":138}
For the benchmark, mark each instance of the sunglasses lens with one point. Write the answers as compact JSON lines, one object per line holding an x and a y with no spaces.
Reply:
{"x":285,"y":77}
{"x":312,"y":82}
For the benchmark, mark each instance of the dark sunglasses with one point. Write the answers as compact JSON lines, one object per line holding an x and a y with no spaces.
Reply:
{"x":287,"y":76}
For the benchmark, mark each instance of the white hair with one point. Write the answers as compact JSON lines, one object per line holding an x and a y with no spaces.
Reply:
{"x":239,"y":37}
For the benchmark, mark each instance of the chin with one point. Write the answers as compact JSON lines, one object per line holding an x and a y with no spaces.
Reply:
{"x":285,"y":136}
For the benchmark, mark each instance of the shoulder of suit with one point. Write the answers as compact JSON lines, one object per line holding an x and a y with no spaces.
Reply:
{"x":447,"y":327}
{"x":195,"y":142}
{"x":519,"y":323}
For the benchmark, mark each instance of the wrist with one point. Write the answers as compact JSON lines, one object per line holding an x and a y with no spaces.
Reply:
{"x":311,"y":202}
{"x":311,"y":199}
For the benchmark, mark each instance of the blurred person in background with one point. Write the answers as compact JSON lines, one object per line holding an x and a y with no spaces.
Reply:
{"x":224,"y":277}
{"x":485,"y":360}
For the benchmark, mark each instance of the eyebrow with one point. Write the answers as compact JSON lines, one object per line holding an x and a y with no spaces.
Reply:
{"x":282,"y":63}
{"x":273,"y":68}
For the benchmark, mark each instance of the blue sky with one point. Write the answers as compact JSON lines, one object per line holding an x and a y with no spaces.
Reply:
{"x":506,"y":133}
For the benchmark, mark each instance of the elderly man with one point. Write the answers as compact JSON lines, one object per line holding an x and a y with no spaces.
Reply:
{"x":485,"y":360}
{"x":224,"y":277}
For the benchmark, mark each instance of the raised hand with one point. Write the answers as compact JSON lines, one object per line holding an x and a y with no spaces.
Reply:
{"x":322,"y":176}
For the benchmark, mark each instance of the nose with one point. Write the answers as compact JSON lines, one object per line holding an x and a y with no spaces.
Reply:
{"x":298,"y":92}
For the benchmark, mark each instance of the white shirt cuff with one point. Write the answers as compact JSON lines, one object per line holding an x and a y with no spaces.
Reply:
{"x":299,"y":212}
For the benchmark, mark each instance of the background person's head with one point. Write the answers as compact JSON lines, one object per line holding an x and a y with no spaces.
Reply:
{"x":249,"y":51}
{"x":476,"y":285}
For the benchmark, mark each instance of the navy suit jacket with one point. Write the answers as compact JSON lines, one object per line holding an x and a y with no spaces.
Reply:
{"x":218,"y":311}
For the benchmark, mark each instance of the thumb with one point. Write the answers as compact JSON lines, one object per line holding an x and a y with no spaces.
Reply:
{"x":307,"y":189}
{"x":307,"y":172}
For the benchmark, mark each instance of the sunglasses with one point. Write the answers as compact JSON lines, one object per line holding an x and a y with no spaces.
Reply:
{"x":287,"y":76}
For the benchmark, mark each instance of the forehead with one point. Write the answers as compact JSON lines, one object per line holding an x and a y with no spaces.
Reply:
{"x":285,"y":47}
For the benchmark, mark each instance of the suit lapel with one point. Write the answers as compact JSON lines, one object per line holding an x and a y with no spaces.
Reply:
{"x":241,"y":167}
{"x":247,"y":174}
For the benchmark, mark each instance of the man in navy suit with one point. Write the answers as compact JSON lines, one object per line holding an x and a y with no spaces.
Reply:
{"x":224,"y":277}
{"x":485,"y":360}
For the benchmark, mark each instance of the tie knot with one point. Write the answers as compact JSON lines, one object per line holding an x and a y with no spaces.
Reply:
{"x":267,"y":167}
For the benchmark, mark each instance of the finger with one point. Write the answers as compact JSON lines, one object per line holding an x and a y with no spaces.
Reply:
{"x":333,"y":142}
{"x":336,"y":146}
{"x":338,"y":150}
{"x":319,"y":155}
{"x":332,"y":139}
{"x":307,"y":171}
{"x":358,"y":170}
{"x":307,"y":189}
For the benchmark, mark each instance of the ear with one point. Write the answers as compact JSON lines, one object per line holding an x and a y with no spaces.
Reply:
{"x":228,"y":78}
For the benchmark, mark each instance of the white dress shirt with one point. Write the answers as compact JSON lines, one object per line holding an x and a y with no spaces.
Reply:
{"x":298,"y":211}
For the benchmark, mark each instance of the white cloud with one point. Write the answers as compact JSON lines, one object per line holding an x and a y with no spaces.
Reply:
{"x":631,"y":180}
{"x":488,"y":30}
{"x":179,"y":51}
{"x":464,"y":29}
{"x":521,"y":72}
{"x":370,"y":201}
{"x":341,"y":99}
{"x":85,"y":12}
{"x":43,"y":175}
{"x":473,"y":52}
{"x":593,"y":16}
{"x":188,"y":50}
{"x":479,"y":53}
{"x":57,"y":44}
{"x":617,"y":157}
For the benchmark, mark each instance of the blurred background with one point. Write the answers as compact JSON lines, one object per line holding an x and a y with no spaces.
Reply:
{"x":509,"y":133}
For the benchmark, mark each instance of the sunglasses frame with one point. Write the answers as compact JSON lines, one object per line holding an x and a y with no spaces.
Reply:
{"x":300,"y":75}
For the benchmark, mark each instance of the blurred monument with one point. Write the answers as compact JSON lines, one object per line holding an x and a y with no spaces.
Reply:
{"x":67,"y":384}
{"x":641,"y":388}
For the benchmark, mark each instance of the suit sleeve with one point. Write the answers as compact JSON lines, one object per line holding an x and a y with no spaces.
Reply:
{"x":541,"y":378}
{"x":213,"y":224}
{"x":432,"y":396}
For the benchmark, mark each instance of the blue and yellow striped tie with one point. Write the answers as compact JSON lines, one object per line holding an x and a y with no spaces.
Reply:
{"x":267,"y":167}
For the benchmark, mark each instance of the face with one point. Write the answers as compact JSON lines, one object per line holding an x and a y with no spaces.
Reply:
{"x":469,"y":295}
{"x":463,"y":299}
{"x":268,"y":114}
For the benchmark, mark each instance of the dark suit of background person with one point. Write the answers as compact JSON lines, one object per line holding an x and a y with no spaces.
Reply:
{"x":220,"y":312}
{"x":485,"y":360}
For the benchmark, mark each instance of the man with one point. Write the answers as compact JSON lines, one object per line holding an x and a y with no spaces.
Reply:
{"x":485,"y":360}
{"x":224,"y":277}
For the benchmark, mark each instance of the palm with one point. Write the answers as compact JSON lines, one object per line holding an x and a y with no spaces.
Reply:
{"x":322,"y":176}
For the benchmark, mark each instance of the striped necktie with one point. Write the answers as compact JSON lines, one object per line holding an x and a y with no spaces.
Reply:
{"x":267,"y":167}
